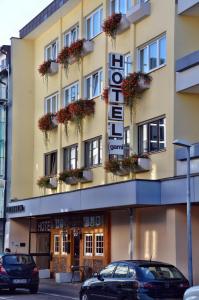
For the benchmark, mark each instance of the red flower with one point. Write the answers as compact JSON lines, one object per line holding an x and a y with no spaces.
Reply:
{"x":44,"y":68}
{"x":46,"y":123}
{"x":105,"y":95}
{"x":75,"y":50}
{"x":111,"y":24}
{"x":63,"y":57}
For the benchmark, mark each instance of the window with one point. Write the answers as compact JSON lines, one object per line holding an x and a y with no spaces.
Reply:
{"x":119,"y":6}
{"x":56,"y":244}
{"x":70,"y":157}
{"x":65,"y":243}
{"x":126,"y":142}
{"x":121,"y":271}
{"x":51,"y":164}
{"x":127,"y":64}
{"x":152,"y":55}
{"x":93,"y":85}
{"x":71,"y":93}
{"x":2,"y":64}
{"x":71,"y":36}
{"x":88,"y":244}
{"x":51,"y":51}
{"x":51,"y":104}
{"x":93,"y":152}
{"x":108,"y":271}
{"x":94,"y":24}
{"x":152,"y":136}
{"x":99,"y":244}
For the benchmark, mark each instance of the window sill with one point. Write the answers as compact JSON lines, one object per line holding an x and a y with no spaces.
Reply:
{"x":93,"y":167}
{"x":91,"y":39}
{"x":154,"y":152}
{"x":155,"y":69}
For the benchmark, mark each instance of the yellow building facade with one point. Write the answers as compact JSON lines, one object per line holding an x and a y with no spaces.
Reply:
{"x":101,"y":216}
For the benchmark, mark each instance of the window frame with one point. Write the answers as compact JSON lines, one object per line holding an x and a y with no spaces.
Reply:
{"x":50,"y":98}
{"x":69,"y":88}
{"x":69,"y":33}
{"x":101,"y":234}
{"x":128,"y":64}
{"x":118,"y":5}
{"x":50,"y":46}
{"x":54,"y":244}
{"x":147,"y":46}
{"x":85,"y":244}
{"x":127,"y":141}
{"x":88,"y":150}
{"x":90,"y":77}
{"x":62,"y":242}
{"x":46,"y":155}
{"x":91,"y":17}
{"x":141,"y":149}
{"x":65,"y":155}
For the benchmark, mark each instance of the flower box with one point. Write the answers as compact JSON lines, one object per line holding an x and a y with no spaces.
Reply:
{"x":53,"y":68}
{"x":143,"y":85}
{"x":124,"y":24}
{"x":87,"y":176}
{"x":88,"y":47}
{"x":54,"y":121}
{"x":123,"y":172}
{"x":53,"y":182}
{"x":144,"y":164}
{"x":71,"y":180}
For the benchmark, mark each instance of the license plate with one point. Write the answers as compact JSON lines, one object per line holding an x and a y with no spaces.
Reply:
{"x":18,"y":281}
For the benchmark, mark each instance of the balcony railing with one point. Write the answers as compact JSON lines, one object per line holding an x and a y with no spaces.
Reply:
{"x":187,"y":73}
{"x":188,"y":7}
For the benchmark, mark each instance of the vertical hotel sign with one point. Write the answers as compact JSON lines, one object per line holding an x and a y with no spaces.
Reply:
{"x":116,"y":105}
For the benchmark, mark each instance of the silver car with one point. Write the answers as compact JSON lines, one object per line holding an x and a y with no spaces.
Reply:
{"x":192,"y":293}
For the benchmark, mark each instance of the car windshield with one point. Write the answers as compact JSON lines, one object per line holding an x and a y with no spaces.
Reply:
{"x":160,"y":272}
{"x":18,"y":259}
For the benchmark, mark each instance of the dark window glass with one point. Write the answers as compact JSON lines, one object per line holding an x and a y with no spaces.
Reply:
{"x":126,"y":142}
{"x":18,"y":259}
{"x":93,"y":152}
{"x":121,"y":271}
{"x":108,"y":271}
{"x":152,"y":136}
{"x":70,"y":157}
{"x":160,"y":272}
{"x":51,"y":164}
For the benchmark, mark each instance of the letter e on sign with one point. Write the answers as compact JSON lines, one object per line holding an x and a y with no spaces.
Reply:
{"x":116,"y":112}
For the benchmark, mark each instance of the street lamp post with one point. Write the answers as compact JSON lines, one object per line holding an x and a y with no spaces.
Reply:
{"x":187,"y":145}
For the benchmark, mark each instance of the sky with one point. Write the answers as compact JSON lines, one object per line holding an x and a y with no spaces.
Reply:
{"x":15,"y":14}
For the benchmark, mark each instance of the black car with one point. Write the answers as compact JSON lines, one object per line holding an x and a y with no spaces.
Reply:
{"x":135,"y":280}
{"x":18,"y":271}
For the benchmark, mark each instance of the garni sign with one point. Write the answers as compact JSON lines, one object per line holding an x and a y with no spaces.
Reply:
{"x":116,"y":104}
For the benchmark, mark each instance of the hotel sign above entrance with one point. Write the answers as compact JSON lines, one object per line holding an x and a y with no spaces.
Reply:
{"x":116,"y":105}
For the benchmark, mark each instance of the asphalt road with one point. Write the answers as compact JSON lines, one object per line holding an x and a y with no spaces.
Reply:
{"x":48,"y":290}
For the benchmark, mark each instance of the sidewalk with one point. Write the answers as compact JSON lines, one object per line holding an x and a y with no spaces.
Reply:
{"x":50,"y":285}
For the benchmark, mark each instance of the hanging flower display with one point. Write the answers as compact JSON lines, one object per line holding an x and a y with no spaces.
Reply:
{"x":75,"y":112}
{"x":71,"y":176}
{"x":110,"y":25}
{"x":63,"y":57}
{"x":63,"y":117}
{"x":44,"y":68}
{"x":47,"y":123}
{"x":105,"y":95}
{"x":75,"y":50}
{"x":112,"y":166}
{"x":44,"y":182}
{"x":133,"y":85}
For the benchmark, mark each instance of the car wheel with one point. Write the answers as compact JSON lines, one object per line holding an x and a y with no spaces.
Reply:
{"x":84,"y":296}
{"x":34,"y":290}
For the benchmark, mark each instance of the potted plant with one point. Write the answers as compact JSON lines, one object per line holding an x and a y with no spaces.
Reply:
{"x":75,"y":50}
{"x":72,"y":176}
{"x":112,"y":165}
{"x":63,"y":58}
{"x":47,"y":123}
{"x":47,"y":182}
{"x":48,"y":67}
{"x":63,"y":117}
{"x":111,"y":25}
{"x":79,"y":110}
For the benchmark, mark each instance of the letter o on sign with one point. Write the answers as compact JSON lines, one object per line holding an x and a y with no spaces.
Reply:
{"x":117,"y":78}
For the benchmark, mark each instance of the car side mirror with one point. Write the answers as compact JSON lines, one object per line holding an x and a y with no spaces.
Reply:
{"x":95,"y":274}
{"x":100,"y":277}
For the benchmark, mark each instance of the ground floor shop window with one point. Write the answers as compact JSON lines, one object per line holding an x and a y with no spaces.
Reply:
{"x":97,"y":240}
{"x":99,"y":244}
{"x":65,"y":244}
{"x":56,"y":244}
